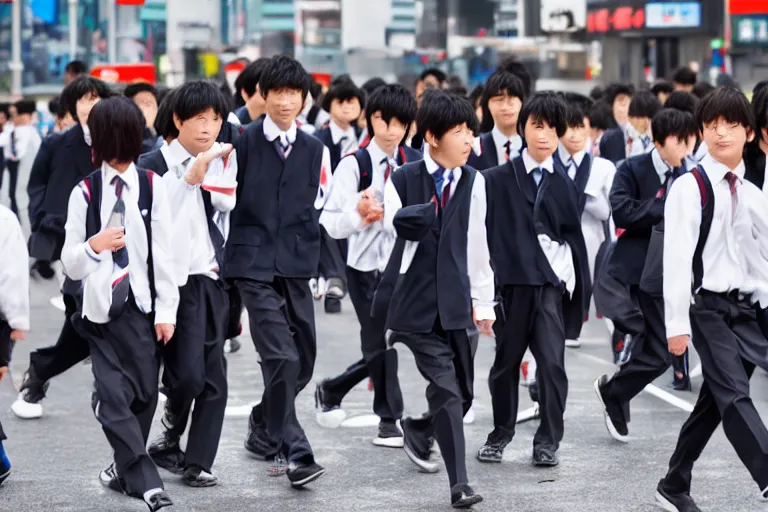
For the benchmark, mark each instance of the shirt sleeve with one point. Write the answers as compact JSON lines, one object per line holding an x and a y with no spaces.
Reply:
{"x":167,"y":300}
{"x":478,"y":255}
{"x":221,"y":182}
{"x":326,"y":180}
{"x":598,"y":190}
{"x":77,"y":257}
{"x":392,"y":204}
{"x":340,"y":216}
{"x":683,"y":204}
{"x":14,"y":273}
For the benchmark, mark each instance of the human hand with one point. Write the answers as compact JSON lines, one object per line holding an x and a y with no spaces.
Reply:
{"x":369,"y":207}
{"x":484,"y":326}
{"x":197,"y":171}
{"x":108,"y":239}
{"x":17,"y":335}
{"x":678,"y":344}
{"x":164,"y":332}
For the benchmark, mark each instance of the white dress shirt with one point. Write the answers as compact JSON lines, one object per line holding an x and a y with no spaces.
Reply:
{"x":26,"y":141}
{"x":349,"y":144}
{"x":637,"y":141}
{"x":723,"y":257}
{"x":14,"y":272}
{"x":95,"y":270}
{"x":478,"y":254}
{"x":369,"y":246}
{"x":272,"y":132}
{"x":500,"y":140}
{"x":558,"y":255}
{"x":193,"y":251}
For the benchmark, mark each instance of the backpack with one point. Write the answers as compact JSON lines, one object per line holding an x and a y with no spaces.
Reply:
{"x":366,"y":166}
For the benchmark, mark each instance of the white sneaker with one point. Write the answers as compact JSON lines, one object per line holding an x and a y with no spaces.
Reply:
{"x":330,"y":419}
{"x":26,"y":410}
{"x":573,"y":343}
{"x":318,"y":291}
{"x":469,"y":418}
{"x":532,"y":413}
{"x":58,"y":303}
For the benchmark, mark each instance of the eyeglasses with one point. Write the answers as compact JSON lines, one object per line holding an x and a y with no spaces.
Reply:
{"x":728,"y":127}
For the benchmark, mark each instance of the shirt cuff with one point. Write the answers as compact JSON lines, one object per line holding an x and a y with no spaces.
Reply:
{"x":484,"y":311}
{"x":95,"y":256}
{"x":20,"y":323}
{"x":678,"y":328}
{"x":165,"y":317}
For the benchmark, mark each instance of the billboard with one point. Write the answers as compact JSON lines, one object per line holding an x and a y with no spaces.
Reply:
{"x":563,"y":16}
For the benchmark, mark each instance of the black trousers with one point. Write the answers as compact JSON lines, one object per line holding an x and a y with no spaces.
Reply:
{"x":70,"y":349}
{"x":724,"y":330}
{"x":13,"y":172}
{"x":380,"y":362}
{"x":195,"y":367}
{"x":282,"y":322}
{"x":529,"y":316}
{"x":333,"y":254}
{"x":125,"y":368}
{"x":650,"y":356}
{"x":446,"y":360}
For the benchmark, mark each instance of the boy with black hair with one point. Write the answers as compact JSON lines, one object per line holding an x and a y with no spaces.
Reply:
{"x":662,"y":90}
{"x":62,"y":120}
{"x":199,"y":174}
{"x":640,"y":188}
{"x":438,"y":284}
{"x":618,"y":96}
{"x":634,"y":138}
{"x":714,"y":279}
{"x":499,"y":140}
{"x":475,"y":98}
{"x":541,"y":273}
{"x":74,"y":70}
{"x":702,"y":89}
{"x":687,"y":102}
{"x":129,"y":292}
{"x":517,"y":68}
{"x":684,"y":79}
{"x":430,"y":78}
{"x":247,"y":86}
{"x":165,"y":126}
{"x":353,"y":212}
{"x":144,"y":95}
{"x":272,"y":251}
{"x":600,"y":120}
{"x":20,"y":146}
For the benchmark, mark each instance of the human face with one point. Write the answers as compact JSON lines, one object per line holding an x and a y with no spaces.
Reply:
{"x":65,"y":123}
{"x":422,"y":86}
{"x":725,"y":141}
{"x":84,"y":106}
{"x":452,"y":149}
{"x":621,"y":108}
{"x":3,"y":118}
{"x":575,"y":139}
{"x":388,"y":135}
{"x":505,"y":109}
{"x":147,"y":103}
{"x":641,"y":124}
{"x":682,"y":87}
{"x":344,"y":112}
{"x":541,"y":139}
{"x":283,"y":106}
{"x":256,"y":102}
{"x":674,"y":150}
{"x":198,"y":133}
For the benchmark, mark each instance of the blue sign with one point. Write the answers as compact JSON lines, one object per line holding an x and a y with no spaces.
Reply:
{"x":673,"y":15}
{"x":45,"y":10}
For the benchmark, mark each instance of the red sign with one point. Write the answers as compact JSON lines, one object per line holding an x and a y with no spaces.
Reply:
{"x":126,"y":73}
{"x":129,"y":2}
{"x":615,"y":19}
{"x":746,"y":7}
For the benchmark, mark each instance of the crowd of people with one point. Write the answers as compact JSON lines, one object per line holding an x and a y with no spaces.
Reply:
{"x":443,"y":214}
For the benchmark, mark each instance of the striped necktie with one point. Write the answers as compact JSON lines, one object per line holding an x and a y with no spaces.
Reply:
{"x":446,"y":195}
{"x":283,"y":146}
{"x":120,"y":282}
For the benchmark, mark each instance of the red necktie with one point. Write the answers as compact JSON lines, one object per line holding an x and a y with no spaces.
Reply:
{"x":629,"y":146}
{"x":732,"y":181}
{"x":447,"y":191}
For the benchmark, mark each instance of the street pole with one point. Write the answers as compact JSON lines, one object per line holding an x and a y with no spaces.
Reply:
{"x":112,"y":31}
{"x":73,"y":29}
{"x":16,"y":65}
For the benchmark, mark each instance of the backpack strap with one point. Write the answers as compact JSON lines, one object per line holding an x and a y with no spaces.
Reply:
{"x":145,"y":208}
{"x":366,"y":169}
{"x":707,"y":213}
{"x":92,"y":186}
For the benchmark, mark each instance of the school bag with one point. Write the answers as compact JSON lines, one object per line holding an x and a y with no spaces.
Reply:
{"x":366,"y":166}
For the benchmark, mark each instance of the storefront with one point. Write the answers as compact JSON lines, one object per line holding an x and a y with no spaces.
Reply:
{"x":643,"y":40}
{"x":749,"y":40}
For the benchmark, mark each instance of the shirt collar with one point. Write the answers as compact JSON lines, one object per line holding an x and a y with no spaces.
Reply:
{"x":86,"y":134}
{"x":659,"y":164}
{"x":717,"y":171}
{"x":176,"y":154}
{"x":272,"y":131}
{"x":565,"y":155}
{"x":130,"y":177}
{"x":433,"y":166}
{"x":516,"y":142}
{"x":377,"y":154}
{"x":337,"y":133}
{"x":531,"y":164}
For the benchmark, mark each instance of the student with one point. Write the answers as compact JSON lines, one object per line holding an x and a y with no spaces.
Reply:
{"x":499,"y":140}
{"x":618,"y":96}
{"x":144,"y":95}
{"x":684,"y":79}
{"x":430,"y":78}
{"x":74,"y":70}
{"x":62,"y":162}
{"x":165,"y":127}
{"x":756,"y":152}
{"x":127,"y":283}
{"x":687,"y":102}
{"x":272,"y":251}
{"x":247,"y":86}
{"x":62,"y":120}
{"x":593,"y":178}
{"x":14,"y":302}
{"x":20,"y":146}
{"x":200,"y":190}
{"x":540,"y":263}
{"x":702,"y":89}
{"x":714,"y":278}
{"x":354,"y":212}
{"x":440,"y":281}
{"x":662,"y":90}
{"x":635,"y":138}
{"x":672,"y":132}
{"x":517,"y":68}
{"x":600,"y":120}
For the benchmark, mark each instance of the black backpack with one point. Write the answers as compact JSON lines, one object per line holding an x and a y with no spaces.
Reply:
{"x":366,"y":166}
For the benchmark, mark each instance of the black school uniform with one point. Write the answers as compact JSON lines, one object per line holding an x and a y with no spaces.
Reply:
{"x":531,"y":285}
{"x":717,"y":312}
{"x":272,"y":251}
{"x":438,"y":268}
{"x":121,"y":335}
{"x":613,"y":145}
{"x":494,"y":148}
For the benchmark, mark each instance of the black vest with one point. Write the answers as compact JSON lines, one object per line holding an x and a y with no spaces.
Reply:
{"x":437,"y":281}
{"x":335,"y":149}
{"x":274,"y":228}
{"x":489,"y":155}
{"x":154,"y":161}
{"x":582,"y":176}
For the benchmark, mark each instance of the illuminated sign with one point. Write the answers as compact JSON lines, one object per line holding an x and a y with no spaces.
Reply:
{"x":673,"y":15}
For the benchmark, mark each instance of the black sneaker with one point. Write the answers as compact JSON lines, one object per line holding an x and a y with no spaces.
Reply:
{"x":418,"y":448}
{"x":613,"y":411}
{"x":32,"y":388}
{"x":195,"y":476}
{"x":463,"y":496}
{"x":679,"y":502}
{"x":112,"y":481}
{"x":258,"y":444}
{"x":389,"y":435}
{"x":166,"y":453}
{"x":328,"y":413}
{"x":332,"y":305}
{"x":301,"y":474}
{"x":158,"y":500}
{"x":545,"y":458}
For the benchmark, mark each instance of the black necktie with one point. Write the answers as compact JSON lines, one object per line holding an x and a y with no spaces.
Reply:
{"x":508,"y":147}
{"x":13,"y":143}
{"x":120,"y":281}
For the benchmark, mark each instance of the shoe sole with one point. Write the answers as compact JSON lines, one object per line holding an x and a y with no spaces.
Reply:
{"x":18,"y":410}
{"x":608,"y":423}
{"x":572,"y":344}
{"x":540,"y":464}
{"x":423,"y":465}
{"x":200,"y":484}
{"x":471,"y":500}
{"x":254,"y":455}
{"x":331,"y":419}
{"x":664,"y":503}
{"x":389,"y":442}
{"x":311,"y":478}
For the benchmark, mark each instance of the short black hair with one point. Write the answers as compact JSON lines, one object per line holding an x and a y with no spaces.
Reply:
{"x":434,"y":72}
{"x":760,"y":108}
{"x":578,"y":108}
{"x":727,"y":103}
{"x":54,"y":107}
{"x":662,"y":87}
{"x":132,"y":90}
{"x":249,"y":78}
{"x":597,"y":93}
{"x":25,"y":107}
{"x":164,"y":125}
{"x":644,"y":104}
{"x":196,"y":97}
{"x":601,"y":116}
{"x":476,"y":94}
{"x":517,"y":68}
{"x":763,"y":84}
{"x":684,"y":76}
{"x":116,"y":127}
{"x":499,"y":83}
{"x":440,"y":111}
{"x":544,"y":107}
{"x":371,"y":85}
{"x":616,"y":89}
{"x":343,"y":91}
{"x":671,"y":122}
{"x":82,"y":86}
{"x":702,"y":89}
{"x":161,"y":92}
{"x":315,"y":89}
{"x":5,"y":108}
{"x":394,"y":102}
{"x":284,"y":72}
{"x":76,"y":67}
{"x":682,"y":100}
